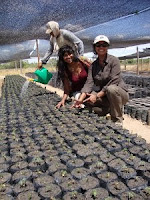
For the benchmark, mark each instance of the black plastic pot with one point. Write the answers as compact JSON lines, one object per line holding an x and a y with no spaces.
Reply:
{"x":56,"y":167}
{"x":89,"y":182}
{"x":74,"y":163}
{"x":145,"y":193}
{"x":80,"y":173}
{"x":116,"y":164}
{"x":98,"y":167}
{"x":126,"y":172}
{"x":25,"y":173}
{"x":6,"y":197}
{"x":96,"y":194}
{"x":18,"y":166}
{"x":6,"y":188}
{"x":61,"y":176}
{"x":70,"y":185}
{"x":123,"y":154}
{"x":142,"y":166}
{"x":22,"y":186}
{"x":28,"y":195}
{"x":137,"y":183}
{"x":4,"y":167}
{"x":107,"y":157}
{"x":117,"y":187}
{"x":50,"y":191}
{"x":106,"y":177}
{"x":90,"y":160}
{"x":43,"y":180}
{"x":132,"y":160}
{"x":130,"y":195}
{"x":37,"y":163}
{"x":74,"y":195}
{"x":135,"y":149}
{"x":5,"y":177}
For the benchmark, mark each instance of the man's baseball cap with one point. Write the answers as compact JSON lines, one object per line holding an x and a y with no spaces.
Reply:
{"x":101,"y":38}
{"x":48,"y":31}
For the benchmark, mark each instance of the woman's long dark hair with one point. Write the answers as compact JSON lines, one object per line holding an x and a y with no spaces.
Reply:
{"x":61,"y":65}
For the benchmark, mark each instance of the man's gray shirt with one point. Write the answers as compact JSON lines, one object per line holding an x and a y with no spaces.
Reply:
{"x":65,"y":38}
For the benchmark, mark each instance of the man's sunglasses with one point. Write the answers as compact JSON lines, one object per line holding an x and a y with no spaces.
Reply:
{"x":101,"y":45}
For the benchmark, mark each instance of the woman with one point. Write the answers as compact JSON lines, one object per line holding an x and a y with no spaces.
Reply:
{"x":72,"y":72}
{"x":110,"y":93}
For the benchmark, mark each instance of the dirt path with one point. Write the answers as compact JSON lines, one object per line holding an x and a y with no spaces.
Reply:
{"x":136,"y":126}
{"x":1,"y":82}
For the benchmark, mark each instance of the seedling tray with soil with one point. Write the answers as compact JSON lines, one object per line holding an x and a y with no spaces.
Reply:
{"x":49,"y":153}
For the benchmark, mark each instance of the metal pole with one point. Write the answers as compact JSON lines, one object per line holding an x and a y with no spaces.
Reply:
{"x":141,"y":64}
{"x":15,"y":65}
{"x":37,"y":49}
{"x":125,"y":64}
{"x":137,"y":61}
{"x":20,"y":66}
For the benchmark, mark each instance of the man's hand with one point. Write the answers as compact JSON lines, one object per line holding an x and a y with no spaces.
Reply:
{"x":91,"y":98}
{"x":30,"y":79}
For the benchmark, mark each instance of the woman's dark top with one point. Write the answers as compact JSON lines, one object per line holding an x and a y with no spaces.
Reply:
{"x":73,"y":83}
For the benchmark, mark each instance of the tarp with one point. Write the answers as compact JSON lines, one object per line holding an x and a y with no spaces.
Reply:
{"x":142,"y":54}
{"x":125,"y":22}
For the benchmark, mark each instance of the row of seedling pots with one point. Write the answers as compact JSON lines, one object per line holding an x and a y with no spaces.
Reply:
{"x":59,"y":154}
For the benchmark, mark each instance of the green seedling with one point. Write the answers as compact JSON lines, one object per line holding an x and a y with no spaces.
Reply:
{"x":74,"y":194}
{"x":94,"y":194}
{"x":2,"y":187}
{"x":108,"y":175}
{"x":22,"y":182}
{"x":147,"y":190}
{"x":117,"y":186}
{"x":37,"y":160}
{"x":131,"y":195}
{"x":63,"y":173}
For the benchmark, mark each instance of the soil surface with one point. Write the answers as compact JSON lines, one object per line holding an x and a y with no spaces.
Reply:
{"x":133,"y":125}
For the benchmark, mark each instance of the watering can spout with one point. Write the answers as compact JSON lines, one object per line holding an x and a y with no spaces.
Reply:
{"x":44,"y":76}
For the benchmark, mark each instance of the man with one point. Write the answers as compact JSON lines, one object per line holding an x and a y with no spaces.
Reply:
{"x":59,"y":38}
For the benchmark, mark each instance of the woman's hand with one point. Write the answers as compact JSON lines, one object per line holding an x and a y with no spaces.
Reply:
{"x":61,"y":103}
{"x":92,"y":98}
{"x":76,"y":104}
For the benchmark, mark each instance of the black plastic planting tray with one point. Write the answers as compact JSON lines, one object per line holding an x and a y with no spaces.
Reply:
{"x":67,"y":154}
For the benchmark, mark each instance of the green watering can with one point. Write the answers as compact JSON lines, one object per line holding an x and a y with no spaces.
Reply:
{"x":44,"y":76}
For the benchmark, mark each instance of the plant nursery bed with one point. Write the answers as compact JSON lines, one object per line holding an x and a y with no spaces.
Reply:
{"x":64,"y":154}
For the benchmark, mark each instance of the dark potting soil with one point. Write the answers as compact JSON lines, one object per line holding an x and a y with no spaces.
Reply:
{"x":28,"y":195}
{"x":97,"y":194}
{"x":43,"y":146}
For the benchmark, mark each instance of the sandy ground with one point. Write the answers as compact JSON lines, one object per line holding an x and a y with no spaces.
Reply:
{"x":133,"y":125}
{"x":1,"y":82}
